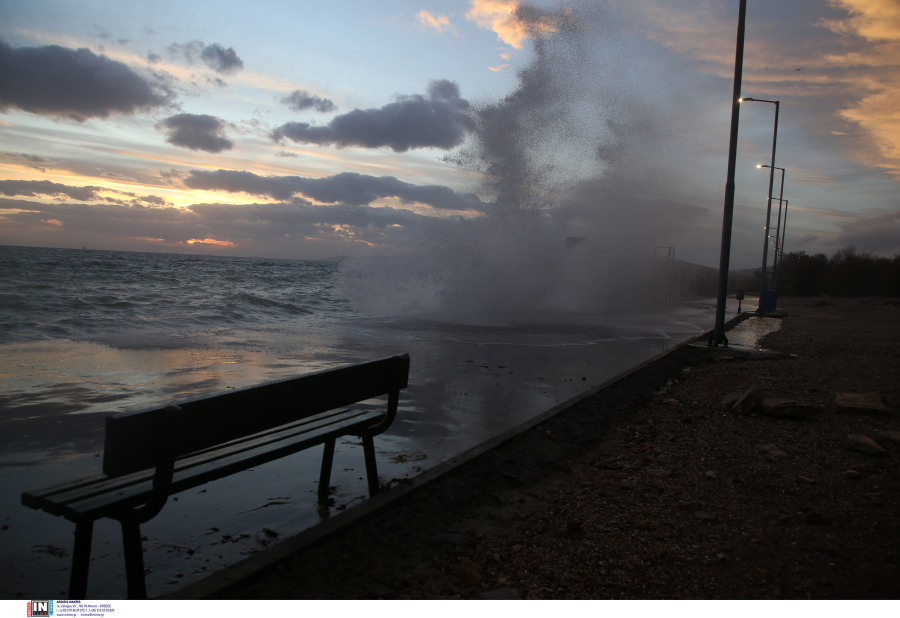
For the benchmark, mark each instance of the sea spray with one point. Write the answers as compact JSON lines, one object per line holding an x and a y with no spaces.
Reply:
{"x":576,"y":150}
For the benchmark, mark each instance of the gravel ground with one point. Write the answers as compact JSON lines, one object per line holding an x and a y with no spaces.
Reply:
{"x":652,"y":489}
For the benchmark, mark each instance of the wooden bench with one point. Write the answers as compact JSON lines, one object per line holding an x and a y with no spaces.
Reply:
{"x":151,"y":454}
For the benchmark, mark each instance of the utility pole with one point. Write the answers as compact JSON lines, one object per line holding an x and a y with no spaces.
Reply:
{"x":718,"y":335}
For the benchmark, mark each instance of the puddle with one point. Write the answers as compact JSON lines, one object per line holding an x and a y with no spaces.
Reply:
{"x":748,"y":333}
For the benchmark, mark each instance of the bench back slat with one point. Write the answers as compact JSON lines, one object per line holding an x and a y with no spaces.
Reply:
{"x":132,"y":438}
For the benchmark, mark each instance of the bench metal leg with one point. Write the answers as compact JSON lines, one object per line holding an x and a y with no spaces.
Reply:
{"x":81,"y":560}
{"x":371,"y":467}
{"x":134,"y":560}
{"x":325,"y":475}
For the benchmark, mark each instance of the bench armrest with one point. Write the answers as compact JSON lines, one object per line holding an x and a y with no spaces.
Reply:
{"x":399,"y":379}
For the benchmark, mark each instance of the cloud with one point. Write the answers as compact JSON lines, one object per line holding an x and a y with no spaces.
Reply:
{"x":348,"y":188}
{"x":876,"y":67}
{"x":27,"y":160}
{"x":221,"y":60}
{"x":72,"y":83}
{"x":285,"y":228}
{"x":879,"y":233}
{"x":300,"y":100}
{"x":512,"y":21}
{"x":33,"y":188}
{"x":197,"y":132}
{"x":437,"y":120}
{"x":439,"y":22}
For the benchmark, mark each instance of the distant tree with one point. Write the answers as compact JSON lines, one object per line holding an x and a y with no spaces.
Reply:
{"x":803,"y":275}
{"x":847,"y":272}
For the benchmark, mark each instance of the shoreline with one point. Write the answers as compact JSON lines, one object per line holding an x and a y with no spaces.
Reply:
{"x":650,"y":489}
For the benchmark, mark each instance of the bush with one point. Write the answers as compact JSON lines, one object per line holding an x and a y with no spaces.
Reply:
{"x":846,"y":273}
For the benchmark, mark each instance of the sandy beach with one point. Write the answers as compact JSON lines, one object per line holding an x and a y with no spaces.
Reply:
{"x":653,"y":489}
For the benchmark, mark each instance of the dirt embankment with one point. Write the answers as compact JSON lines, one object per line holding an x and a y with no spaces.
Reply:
{"x":653,"y":489}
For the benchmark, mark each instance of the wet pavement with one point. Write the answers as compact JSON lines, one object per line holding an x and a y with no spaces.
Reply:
{"x":468,"y":382}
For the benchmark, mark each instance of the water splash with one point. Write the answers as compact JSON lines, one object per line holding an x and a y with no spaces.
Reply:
{"x":576,"y":150}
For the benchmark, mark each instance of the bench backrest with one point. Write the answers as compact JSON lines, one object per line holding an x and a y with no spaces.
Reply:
{"x":133,"y":439}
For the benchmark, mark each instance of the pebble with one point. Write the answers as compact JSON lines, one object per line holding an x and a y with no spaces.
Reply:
{"x":863,"y":444}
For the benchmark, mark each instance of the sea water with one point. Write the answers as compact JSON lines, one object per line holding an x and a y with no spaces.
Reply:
{"x":85,"y":334}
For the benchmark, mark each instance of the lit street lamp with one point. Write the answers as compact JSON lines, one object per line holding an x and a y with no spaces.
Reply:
{"x":769,"y":203}
{"x":778,"y":226}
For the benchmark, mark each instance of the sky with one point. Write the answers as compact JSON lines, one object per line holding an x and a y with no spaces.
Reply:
{"x":312,"y":130}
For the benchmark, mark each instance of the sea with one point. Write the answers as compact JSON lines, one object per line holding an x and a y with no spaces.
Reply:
{"x":86,"y":333}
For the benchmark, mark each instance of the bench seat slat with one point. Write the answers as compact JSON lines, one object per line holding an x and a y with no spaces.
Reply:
{"x":55,"y":500}
{"x":134,"y":495}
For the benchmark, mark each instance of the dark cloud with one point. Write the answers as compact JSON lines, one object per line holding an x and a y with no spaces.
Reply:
{"x":348,"y":188}
{"x":300,"y":100}
{"x":31,"y":161}
{"x":437,"y":120}
{"x":33,"y":188}
{"x":72,"y":83}
{"x":302,"y":213}
{"x":219,"y":59}
{"x":279,"y":227}
{"x":197,"y":132}
{"x":878,"y":233}
{"x":172,"y":174}
{"x":285,"y":154}
{"x":153,"y":199}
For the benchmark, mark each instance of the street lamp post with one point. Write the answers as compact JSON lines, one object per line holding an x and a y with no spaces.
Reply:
{"x":783,"y":228}
{"x":778,"y":225}
{"x":769,"y":203}
{"x":718,"y":335}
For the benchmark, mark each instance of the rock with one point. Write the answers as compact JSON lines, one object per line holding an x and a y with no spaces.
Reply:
{"x":748,"y":401}
{"x":868,"y":404}
{"x":852,"y":475}
{"x":772,"y":452}
{"x":671,"y":402}
{"x":728,"y":401}
{"x":704,"y":516}
{"x":500,"y":594}
{"x":663,"y":474}
{"x":711,"y":475}
{"x":469,"y":571}
{"x":790,"y":407}
{"x":785,"y":519}
{"x":863,"y":444}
